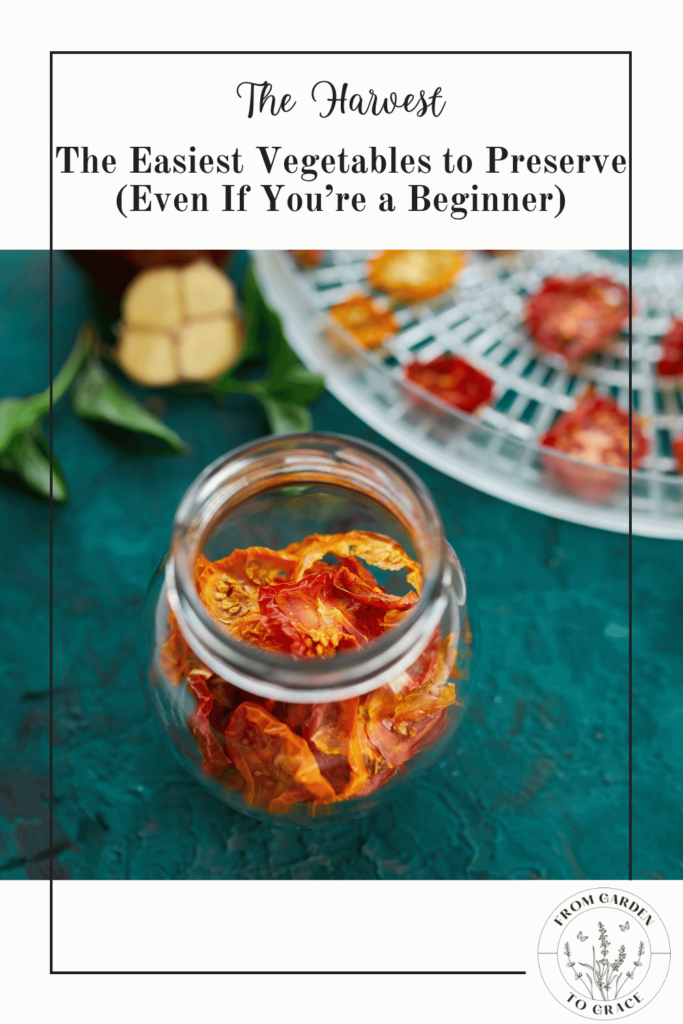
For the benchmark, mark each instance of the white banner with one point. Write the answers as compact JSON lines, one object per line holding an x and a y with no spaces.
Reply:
{"x":340,"y":151}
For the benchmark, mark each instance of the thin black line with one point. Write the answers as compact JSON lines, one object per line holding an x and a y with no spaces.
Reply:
{"x":292,"y":972}
{"x":51,"y":542}
{"x":630,"y":467}
{"x":342,"y":53}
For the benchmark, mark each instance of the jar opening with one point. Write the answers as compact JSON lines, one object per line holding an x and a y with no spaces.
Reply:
{"x":272,"y":492}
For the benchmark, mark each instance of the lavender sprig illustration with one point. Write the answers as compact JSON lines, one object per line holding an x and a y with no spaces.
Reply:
{"x":578,"y":975}
{"x":636,"y":964}
{"x":605,"y":974}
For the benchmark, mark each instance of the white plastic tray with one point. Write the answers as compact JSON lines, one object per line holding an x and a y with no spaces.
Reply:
{"x":481,"y":318}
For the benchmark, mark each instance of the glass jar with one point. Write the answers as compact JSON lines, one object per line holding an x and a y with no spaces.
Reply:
{"x":285,"y":737}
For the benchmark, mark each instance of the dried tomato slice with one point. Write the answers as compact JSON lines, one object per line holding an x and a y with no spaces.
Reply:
{"x":374,"y":548}
{"x":362,"y":316}
{"x":677,"y":451}
{"x":399,"y":715}
{"x":214,"y":757}
{"x":277,"y":766}
{"x":576,"y":316}
{"x":671,"y":363}
{"x":176,"y":657}
{"x":326,"y":611}
{"x":333,"y":733}
{"x":230,"y":587}
{"x":453,"y":380}
{"x":595,"y":430}
{"x":396,"y":746}
{"x":412,"y":275}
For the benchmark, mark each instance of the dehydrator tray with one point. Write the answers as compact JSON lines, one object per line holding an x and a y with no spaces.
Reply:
{"x":481,"y":319}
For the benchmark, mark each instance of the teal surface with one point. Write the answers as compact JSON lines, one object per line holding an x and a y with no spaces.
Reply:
{"x":537,"y":783}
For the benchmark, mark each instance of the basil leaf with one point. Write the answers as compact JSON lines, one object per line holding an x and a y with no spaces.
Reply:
{"x":286,"y":417}
{"x":18,"y":415}
{"x":298,"y":384}
{"x":86,"y":337}
{"x":97,"y":396}
{"x":29,"y":457}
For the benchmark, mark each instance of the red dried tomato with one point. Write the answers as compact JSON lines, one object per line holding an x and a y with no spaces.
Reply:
{"x":277,"y":766}
{"x":576,"y":316}
{"x":671,"y":363}
{"x":595,"y":430}
{"x":677,"y":451}
{"x":214,"y":757}
{"x":326,"y":611}
{"x":453,"y":380}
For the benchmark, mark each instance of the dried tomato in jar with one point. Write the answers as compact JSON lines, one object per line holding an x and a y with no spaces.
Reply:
{"x":596,"y":430}
{"x":309,"y":679}
{"x":576,"y":316}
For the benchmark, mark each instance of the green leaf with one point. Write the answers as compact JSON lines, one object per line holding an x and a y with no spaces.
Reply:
{"x":29,"y":457}
{"x":18,"y":415}
{"x":85,"y":339}
{"x":286,"y":417}
{"x":97,"y":396}
{"x":298,"y":384}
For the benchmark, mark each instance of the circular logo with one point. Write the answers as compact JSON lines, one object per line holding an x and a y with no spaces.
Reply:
{"x":604,"y":953}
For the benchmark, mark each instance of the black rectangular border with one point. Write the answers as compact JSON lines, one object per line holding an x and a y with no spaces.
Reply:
{"x":54,"y":53}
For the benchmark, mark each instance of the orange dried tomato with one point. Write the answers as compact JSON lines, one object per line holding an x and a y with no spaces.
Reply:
{"x":277,"y":766}
{"x":373,"y":548}
{"x":671,"y":363}
{"x":364,"y":318}
{"x":595,"y":430}
{"x":576,"y":316}
{"x":413,"y":275}
{"x":333,"y":733}
{"x":177,"y":658}
{"x":453,"y":380}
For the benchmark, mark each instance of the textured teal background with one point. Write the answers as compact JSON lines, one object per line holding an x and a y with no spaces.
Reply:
{"x":537,"y":785}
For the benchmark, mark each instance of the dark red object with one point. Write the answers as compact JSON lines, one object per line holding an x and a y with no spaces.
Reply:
{"x":595,"y":430}
{"x":677,"y":450}
{"x":452,"y":380}
{"x":576,"y":316}
{"x":671,"y":363}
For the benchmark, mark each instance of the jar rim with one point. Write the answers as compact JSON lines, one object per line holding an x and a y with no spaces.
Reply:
{"x":264,"y":672}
